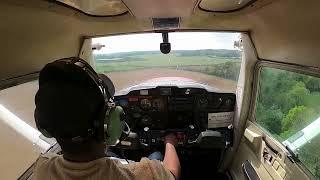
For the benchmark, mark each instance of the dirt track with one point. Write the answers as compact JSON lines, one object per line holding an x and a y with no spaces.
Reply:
{"x":124,"y":79}
{"x":17,"y":154}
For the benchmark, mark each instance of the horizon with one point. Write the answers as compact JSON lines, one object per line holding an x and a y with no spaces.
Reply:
{"x":178,"y":40}
{"x":160,"y":51}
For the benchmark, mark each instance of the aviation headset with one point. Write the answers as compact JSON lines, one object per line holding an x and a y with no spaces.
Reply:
{"x":111,"y":127}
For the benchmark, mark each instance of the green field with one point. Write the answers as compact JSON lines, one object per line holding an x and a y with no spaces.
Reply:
{"x":213,"y":62}
{"x":152,"y":61}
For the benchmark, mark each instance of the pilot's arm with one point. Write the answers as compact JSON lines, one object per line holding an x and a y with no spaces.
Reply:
{"x":171,"y":159}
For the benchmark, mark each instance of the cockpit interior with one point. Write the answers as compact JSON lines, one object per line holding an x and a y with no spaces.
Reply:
{"x":236,"y":81}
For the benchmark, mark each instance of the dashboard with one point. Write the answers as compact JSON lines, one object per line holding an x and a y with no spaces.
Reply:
{"x":151,"y":113}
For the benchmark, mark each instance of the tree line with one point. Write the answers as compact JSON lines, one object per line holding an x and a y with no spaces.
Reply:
{"x":225,"y":53}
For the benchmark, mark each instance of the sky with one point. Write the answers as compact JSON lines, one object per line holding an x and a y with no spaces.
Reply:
{"x":178,"y":40}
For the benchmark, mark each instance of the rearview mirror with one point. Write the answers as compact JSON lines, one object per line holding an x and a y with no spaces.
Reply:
{"x":165,"y":47}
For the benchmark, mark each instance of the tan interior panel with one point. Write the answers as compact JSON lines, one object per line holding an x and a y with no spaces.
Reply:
{"x":18,"y":153}
{"x":160,"y":9}
{"x":269,"y":159}
{"x":48,"y":32}
{"x":223,"y":5}
{"x":286,"y":31}
{"x":97,"y":7}
{"x":253,"y":138}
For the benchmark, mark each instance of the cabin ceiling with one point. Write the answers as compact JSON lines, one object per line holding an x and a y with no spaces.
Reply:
{"x":96,"y":7}
{"x":224,"y":5}
{"x":153,"y":8}
{"x":35,"y":32}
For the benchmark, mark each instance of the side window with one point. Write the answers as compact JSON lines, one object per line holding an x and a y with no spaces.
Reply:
{"x":288,"y":107}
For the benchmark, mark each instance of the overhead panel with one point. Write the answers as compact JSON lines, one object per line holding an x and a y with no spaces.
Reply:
{"x":97,"y":7}
{"x":165,"y":23}
{"x":160,"y":8}
{"x":224,"y":5}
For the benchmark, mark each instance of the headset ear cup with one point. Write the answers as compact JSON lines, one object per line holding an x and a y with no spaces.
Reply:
{"x":42,"y":130}
{"x":106,"y":126}
{"x":108,"y":85}
{"x":45,"y":133}
{"x":115,"y":126}
{"x":98,"y":124}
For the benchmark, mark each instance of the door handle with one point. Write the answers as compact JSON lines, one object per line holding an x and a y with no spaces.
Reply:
{"x":249,"y":172}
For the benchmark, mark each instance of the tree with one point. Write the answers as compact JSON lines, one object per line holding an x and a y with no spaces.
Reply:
{"x":299,"y":93}
{"x":270,"y":119}
{"x":296,"y":119}
{"x":228,"y":70}
{"x":313,"y":84}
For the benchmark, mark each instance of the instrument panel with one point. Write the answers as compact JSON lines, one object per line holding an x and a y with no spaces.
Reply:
{"x":164,"y":108}
{"x":187,"y":112}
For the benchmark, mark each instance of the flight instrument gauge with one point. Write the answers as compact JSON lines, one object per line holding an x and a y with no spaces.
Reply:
{"x":146,"y":120}
{"x":145,"y":104}
{"x":203,"y":102}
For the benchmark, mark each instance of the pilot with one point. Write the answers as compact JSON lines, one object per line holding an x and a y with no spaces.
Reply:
{"x":71,"y":106}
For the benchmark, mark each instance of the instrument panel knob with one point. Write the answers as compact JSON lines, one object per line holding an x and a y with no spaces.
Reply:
{"x":146,"y":129}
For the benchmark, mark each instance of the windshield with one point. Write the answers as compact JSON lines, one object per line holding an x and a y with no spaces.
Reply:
{"x":206,"y":57}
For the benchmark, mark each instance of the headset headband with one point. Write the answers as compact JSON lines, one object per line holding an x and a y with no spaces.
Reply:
{"x":93,"y":75}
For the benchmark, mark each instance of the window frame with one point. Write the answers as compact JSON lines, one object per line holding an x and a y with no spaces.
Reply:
{"x":296,"y":68}
{"x":11,"y":82}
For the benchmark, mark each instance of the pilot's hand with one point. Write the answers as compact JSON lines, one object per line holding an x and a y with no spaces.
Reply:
{"x":171,"y":139}
{"x":171,"y":159}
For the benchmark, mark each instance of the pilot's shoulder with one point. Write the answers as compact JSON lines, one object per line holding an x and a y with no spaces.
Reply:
{"x":42,"y":163}
{"x":47,"y":157}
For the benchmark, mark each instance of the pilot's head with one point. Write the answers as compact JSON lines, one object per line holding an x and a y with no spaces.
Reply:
{"x":70,"y":105}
